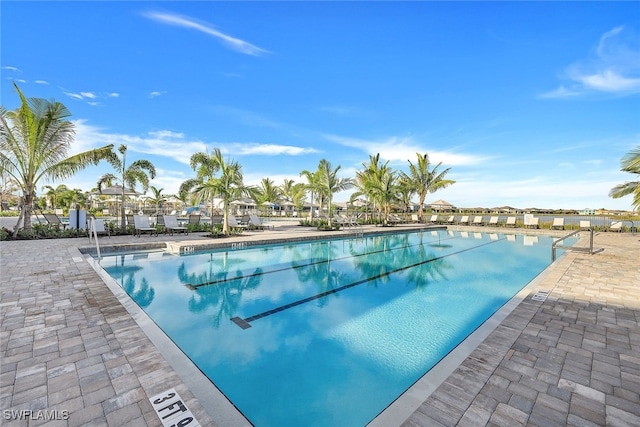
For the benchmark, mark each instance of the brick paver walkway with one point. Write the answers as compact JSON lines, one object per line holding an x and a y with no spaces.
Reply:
{"x":69,"y":349}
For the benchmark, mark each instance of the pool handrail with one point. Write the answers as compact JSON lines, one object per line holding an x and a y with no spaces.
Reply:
{"x":573,"y":248}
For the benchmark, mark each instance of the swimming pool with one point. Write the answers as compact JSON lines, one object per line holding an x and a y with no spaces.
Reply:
{"x":328,"y":332}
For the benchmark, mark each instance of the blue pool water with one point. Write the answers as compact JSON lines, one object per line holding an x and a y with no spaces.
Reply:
{"x":328,"y":333}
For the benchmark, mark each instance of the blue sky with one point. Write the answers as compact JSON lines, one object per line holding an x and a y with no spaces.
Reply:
{"x":530,"y":104}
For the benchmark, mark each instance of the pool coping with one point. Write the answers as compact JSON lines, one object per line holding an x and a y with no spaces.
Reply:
{"x":223,"y":412}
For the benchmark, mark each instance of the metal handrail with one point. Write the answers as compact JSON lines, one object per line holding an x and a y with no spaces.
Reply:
{"x":95,"y":236}
{"x":555,"y":244}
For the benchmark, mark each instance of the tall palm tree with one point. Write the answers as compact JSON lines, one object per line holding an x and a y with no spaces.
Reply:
{"x":370,"y":178}
{"x":386,"y":191}
{"x":425,"y":180}
{"x":330,"y":183}
{"x":206,"y":166}
{"x":630,"y":163}
{"x":228,"y":186}
{"x":138,"y":172}
{"x":35,"y":140}
{"x":313,"y":187}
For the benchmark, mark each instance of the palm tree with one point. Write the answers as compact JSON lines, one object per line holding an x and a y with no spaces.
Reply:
{"x":228,"y":186}
{"x":630,"y":163}
{"x":330,"y":183}
{"x":386,"y":191}
{"x":206,"y":167}
{"x":312,"y":186}
{"x":53,"y":194}
{"x":267,"y":193}
{"x":425,"y":181}
{"x":157,"y":198}
{"x":138,"y":172}
{"x":370,"y":178}
{"x":35,"y":140}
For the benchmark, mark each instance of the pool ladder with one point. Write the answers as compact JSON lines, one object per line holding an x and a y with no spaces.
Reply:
{"x":590,"y":249}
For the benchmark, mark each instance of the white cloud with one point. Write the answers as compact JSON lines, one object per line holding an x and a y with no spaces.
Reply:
{"x":248,"y":149}
{"x":614,"y":68}
{"x":156,"y":93}
{"x":401,"y":149}
{"x":41,"y":82}
{"x":186,"y":22}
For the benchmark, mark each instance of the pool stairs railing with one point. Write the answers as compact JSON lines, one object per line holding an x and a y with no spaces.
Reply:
{"x":590,"y":249}
{"x":95,"y":236}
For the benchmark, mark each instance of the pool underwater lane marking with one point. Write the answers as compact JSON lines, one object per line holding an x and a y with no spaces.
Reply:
{"x":245,"y":323}
{"x":278,"y":270}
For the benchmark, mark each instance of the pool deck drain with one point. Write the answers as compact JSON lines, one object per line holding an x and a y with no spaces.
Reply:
{"x":70,"y":346}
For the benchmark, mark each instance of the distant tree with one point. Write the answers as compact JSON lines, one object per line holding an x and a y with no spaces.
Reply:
{"x":53,"y":194}
{"x":424,"y":180}
{"x":630,"y":163}
{"x":35,"y":141}
{"x":138,"y":172}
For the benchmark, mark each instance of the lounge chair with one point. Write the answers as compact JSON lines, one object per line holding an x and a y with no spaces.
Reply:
{"x":171,"y":224}
{"x":585,"y":225}
{"x":160,"y":223}
{"x":54,"y":221}
{"x":256,"y":222}
{"x":217,"y":219}
{"x":615,"y":226}
{"x":464,"y":220}
{"x":477,"y":220}
{"x":433,"y":219}
{"x":493,"y":221}
{"x":130,"y":220}
{"x":194,"y":219}
{"x":233,"y":223}
{"x":558,"y":223}
{"x":533,"y":222}
{"x":450,"y":220}
{"x":415,"y":218}
{"x":511,"y":222}
{"x":142,"y":225}
{"x":98,"y":226}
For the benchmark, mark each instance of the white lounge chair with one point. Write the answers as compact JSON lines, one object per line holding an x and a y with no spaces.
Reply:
{"x":142,"y":225}
{"x":464,"y":220}
{"x":433,"y":219}
{"x":558,"y":223}
{"x":256,"y":222}
{"x":477,"y":220}
{"x":98,"y":226}
{"x":171,"y":225}
{"x":585,"y":224}
{"x":616,"y":226}
{"x":493,"y":221}
{"x":450,"y":220}
{"x":511,"y":222}
{"x":533,"y":222}
{"x":233,"y":223}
